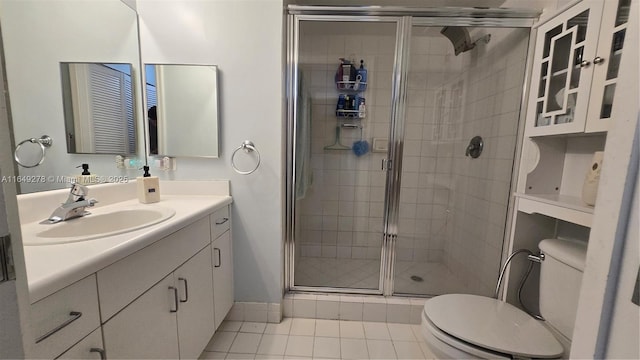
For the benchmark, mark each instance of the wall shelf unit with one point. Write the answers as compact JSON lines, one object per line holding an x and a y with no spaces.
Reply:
{"x":564,"y":207}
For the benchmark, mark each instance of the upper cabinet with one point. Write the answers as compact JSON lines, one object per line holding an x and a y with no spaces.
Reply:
{"x":575,"y":69}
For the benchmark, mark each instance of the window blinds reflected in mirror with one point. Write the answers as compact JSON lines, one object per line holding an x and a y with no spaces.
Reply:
{"x":98,"y":108}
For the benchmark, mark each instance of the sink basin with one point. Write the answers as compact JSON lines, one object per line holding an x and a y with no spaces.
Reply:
{"x":99,"y":225}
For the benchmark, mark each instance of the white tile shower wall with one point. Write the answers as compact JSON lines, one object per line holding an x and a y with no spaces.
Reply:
{"x":426,"y":191}
{"x":453,"y":208}
{"x":341,"y":212}
{"x":493,"y":74}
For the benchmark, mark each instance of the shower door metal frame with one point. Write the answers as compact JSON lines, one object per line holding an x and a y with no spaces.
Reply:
{"x":405,"y":19}
{"x":292,"y":92}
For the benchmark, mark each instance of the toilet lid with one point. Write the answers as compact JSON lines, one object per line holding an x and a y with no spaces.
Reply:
{"x":492,"y":324}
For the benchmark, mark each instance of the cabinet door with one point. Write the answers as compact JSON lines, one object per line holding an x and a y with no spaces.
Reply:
{"x":606,"y":64}
{"x":222,"y":277}
{"x":562,"y":71}
{"x":196,"y":326}
{"x":146,"y":328}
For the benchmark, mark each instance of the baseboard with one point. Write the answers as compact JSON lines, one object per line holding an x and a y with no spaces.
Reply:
{"x":255,"y":312}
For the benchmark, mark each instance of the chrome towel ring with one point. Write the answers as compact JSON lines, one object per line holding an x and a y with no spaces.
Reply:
{"x":248,"y":147}
{"x":45,"y":141}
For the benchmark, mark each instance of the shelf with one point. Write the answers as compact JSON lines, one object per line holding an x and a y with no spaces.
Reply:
{"x":354,"y":114}
{"x":567,"y":208}
{"x":351,"y":86}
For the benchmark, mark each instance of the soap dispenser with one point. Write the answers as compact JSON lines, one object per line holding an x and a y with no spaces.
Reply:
{"x":148,"y":187}
{"x":85,"y":178}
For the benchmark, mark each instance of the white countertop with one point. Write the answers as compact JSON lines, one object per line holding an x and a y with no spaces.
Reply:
{"x":53,"y":267}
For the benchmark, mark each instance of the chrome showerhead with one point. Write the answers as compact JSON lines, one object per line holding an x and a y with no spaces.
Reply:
{"x":459,"y":37}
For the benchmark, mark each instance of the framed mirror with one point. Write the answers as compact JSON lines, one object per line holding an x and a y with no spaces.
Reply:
{"x":98,"y":108}
{"x":182,"y":110}
{"x":37,"y":37}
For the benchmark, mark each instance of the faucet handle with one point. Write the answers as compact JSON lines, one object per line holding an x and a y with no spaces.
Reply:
{"x":79,"y":190}
{"x":77,"y":193}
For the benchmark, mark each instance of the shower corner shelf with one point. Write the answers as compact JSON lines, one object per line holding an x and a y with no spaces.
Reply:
{"x":351,"y":114}
{"x":563,"y":207}
{"x":351,"y":86}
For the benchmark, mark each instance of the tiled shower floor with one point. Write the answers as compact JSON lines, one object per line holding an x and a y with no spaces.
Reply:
{"x":364,"y":274}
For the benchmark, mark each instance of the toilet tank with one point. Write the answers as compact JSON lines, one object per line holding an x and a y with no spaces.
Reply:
{"x":560,"y":280}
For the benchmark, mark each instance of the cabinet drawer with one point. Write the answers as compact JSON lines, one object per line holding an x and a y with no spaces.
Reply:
{"x":64,"y":318}
{"x":220,"y":221}
{"x":120,"y":283}
{"x":89,"y":348}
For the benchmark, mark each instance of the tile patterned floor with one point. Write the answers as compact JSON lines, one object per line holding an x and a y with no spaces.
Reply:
{"x":296,"y":338}
{"x":364,"y":274}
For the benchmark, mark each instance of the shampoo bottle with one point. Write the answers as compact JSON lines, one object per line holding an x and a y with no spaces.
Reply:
{"x":148,"y":187}
{"x":362,"y":73}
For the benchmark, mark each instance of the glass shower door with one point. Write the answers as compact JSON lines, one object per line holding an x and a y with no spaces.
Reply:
{"x":453,"y":208}
{"x":345,"y":74}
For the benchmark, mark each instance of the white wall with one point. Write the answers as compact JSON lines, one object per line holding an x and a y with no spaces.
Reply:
{"x":610,"y":220}
{"x":37,"y":36}
{"x":245,"y":40}
{"x":625,"y":335}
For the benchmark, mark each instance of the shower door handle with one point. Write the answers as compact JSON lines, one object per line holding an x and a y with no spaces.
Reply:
{"x":386,"y":165}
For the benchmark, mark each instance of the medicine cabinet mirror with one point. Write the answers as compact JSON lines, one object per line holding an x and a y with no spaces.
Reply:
{"x":182,"y":110}
{"x":98,"y":108}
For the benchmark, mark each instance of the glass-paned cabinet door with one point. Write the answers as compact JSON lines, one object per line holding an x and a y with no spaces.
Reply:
{"x":562,"y":71}
{"x":615,"y":17}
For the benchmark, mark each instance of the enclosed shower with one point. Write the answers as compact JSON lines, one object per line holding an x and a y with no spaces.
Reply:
{"x":389,"y":195}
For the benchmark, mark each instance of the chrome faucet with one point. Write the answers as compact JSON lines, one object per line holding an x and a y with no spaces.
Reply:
{"x":74,"y":206}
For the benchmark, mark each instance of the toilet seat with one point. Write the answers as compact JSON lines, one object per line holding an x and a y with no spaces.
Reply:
{"x":490,"y":325}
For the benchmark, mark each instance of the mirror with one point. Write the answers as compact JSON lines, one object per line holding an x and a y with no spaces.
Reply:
{"x":182,"y":110}
{"x":98,"y":108}
{"x":37,"y":37}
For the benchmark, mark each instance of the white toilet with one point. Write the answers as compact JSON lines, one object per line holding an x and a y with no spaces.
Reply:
{"x":458,"y":326}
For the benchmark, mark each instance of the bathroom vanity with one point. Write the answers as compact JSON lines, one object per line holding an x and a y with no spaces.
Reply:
{"x":159,"y":291}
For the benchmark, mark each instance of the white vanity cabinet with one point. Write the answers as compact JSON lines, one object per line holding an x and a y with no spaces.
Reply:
{"x":577,"y":57}
{"x":63,"y":318}
{"x":196,"y":323}
{"x":222,"y":257}
{"x":146,"y":328}
{"x":173,"y":319}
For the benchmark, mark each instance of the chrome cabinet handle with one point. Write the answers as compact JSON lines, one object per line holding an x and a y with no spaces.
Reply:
{"x":175,"y":297}
{"x":598,"y":60}
{"x":186,"y":290}
{"x":219,"y":258}
{"x":585,"y":63}
{"x":75,"y":315}
{"x":220,"y":222}
{"x":103,"y":354}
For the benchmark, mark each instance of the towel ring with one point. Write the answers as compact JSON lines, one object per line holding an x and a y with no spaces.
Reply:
{"x":45,"y":142}
{"x":248,"y":147}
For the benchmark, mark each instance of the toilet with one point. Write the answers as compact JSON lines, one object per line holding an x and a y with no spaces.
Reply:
{"x":461,"y":326}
